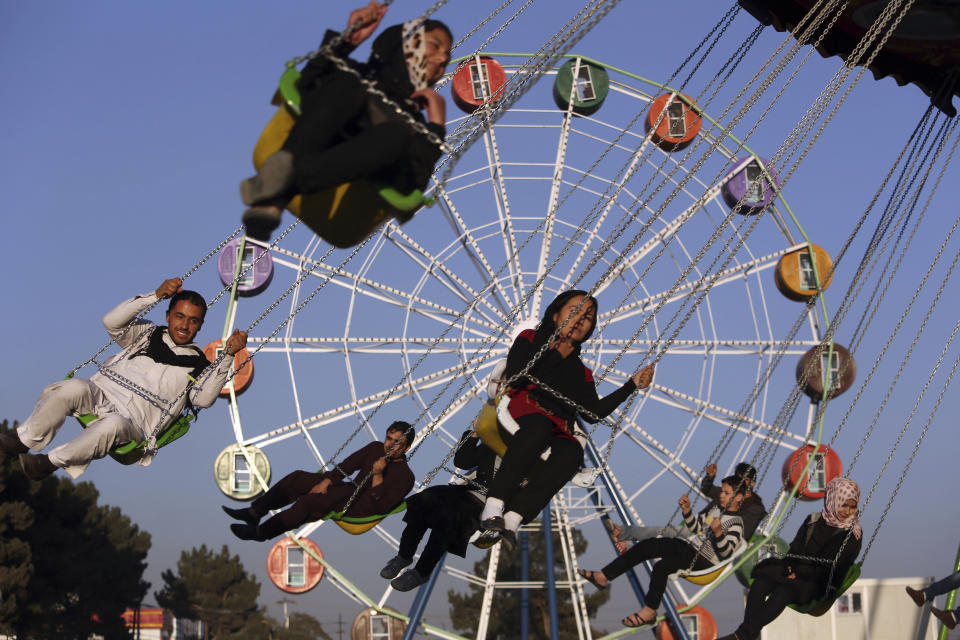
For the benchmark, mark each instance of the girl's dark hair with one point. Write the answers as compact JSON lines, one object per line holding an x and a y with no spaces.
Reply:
{"x":430,"y":25}
{"x":547,"y":326}
{"x":736,"y":483}
{"x":190,"y":296}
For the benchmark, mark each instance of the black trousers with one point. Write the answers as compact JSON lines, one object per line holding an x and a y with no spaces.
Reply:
{"x":766,"y":600}
{"x":295,"y":489}
{"x":522,"y":460}
{"x":325,"y":154}
{"x":674,"y":554}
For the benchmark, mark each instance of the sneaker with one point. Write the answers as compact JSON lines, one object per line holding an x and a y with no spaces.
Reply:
{"x":493,"y":524}
{"x":241,"y":514}
{"x":36,"y":466}
{"x":411,"y":579}
{"x":10,"y":444}
{"x":261,"y":221}
{"x":918,"y":597}
{"x":394,"y":566}
{"x":275,"y":177}
{"x":247,"y":532}
{"x":947,"y":617}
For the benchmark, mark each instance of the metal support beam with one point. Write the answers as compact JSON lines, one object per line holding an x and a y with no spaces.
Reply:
{"x":620,"y":505}
{"x":524,"y":577}
{"x":551,"y":577}
{"x":420,"y":602}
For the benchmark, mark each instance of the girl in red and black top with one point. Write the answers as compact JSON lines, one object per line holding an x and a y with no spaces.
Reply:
{"x":545,"y":420}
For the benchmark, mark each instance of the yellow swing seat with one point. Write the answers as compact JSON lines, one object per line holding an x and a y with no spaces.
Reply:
{"x":356,"y":526}
{"x":706,"y":576}
{"x":344,"y":215}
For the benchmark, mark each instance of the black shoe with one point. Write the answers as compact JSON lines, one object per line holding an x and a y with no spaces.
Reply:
{"x":10,"y":444}
{"x":36,"y":466}
{"x":261,"y":221}
{"x":508,"y":540}
{"x":247,"y":532}
{"x":275,"y":177}
{"x":241,"y":514}
{"x":487,"y":539}
{"x":394,"y":566}
{"x":493,"y":524}
{"x":945,"y":616}
{"x":918,"y":597}
{"x":411,"y":579}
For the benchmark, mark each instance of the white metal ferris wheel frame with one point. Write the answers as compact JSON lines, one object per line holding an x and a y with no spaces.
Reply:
{"x":489,"y":313}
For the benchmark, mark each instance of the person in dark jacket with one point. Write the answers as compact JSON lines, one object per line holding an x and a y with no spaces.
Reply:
{"x":451,"y":512}
{"x":832,"y":536}
{"x":344,"y":132}
{"x":383,"y":479}
{"x":545,"y":420}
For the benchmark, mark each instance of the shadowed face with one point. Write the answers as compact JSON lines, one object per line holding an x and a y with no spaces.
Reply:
{"x":729,"y":498}
{"x":847,"y":509}
{"x":574,"y":326}
{"x":395,"y":445}
{"x":437,"y":54}
{"x":184,"y":321}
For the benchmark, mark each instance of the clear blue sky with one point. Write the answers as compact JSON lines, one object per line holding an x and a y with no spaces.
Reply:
{"x":126,"y":127}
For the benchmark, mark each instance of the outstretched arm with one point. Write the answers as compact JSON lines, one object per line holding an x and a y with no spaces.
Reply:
{"x":117,"y":319}
{"x":211,"y":381}
{"x":364,"y":22}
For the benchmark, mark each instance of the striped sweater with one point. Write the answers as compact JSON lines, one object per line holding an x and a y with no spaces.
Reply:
{"x":711,"y":548}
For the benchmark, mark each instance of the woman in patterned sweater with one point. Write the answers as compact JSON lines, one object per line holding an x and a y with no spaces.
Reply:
{"x":711,"y":537}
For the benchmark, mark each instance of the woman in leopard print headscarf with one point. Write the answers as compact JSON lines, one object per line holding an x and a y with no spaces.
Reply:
{"x":344,"y":132}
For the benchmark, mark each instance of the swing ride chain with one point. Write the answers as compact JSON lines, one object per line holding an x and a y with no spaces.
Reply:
{"x":140,"y":315}
{"x":937,"y":256}
{"x":327,"y":51}
{"x":154,"y":399}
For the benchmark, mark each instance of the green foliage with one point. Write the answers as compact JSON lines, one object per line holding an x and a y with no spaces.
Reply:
{"x":302,"y":627}
{"x":215,"y":588}
{"x":68,"y":566}
{"x":505,"y":613}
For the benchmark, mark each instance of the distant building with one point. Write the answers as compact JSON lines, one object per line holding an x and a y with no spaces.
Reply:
{"x":154,"y":623}
{"x":872,"y":609}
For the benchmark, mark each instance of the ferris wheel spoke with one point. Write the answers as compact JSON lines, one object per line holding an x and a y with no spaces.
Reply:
{"x":700,"y":347}
{"x":363,"y":404}
{"x":433,"y":265}
{"x":497,"y":181}
{"x":383,"y":345}
{"x":731,"y":274}
{"x":721,"y":416}
{"x":472,"y":249}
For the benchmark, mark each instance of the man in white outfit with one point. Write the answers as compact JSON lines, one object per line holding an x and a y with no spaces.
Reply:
{"x":134,"y":394}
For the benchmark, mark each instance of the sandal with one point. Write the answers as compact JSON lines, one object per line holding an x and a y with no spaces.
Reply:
{"x":590,"y":576}
{"x":634,"y":620}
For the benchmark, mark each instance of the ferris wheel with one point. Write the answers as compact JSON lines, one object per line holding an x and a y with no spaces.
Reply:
{"x":582,"y":186}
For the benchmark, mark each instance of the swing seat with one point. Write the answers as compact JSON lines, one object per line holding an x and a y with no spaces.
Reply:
{"x":131,"y":452}
{"x":706,"y":576}
{"x":356,"y":526}
{"x":822,"y":605}
{"x":344,"y":215}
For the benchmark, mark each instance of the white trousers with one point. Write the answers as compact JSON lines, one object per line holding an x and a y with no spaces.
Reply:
{"x":76,"y":397}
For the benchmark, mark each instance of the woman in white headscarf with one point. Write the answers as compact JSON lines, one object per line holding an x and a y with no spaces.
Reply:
{"x":826,"y":545}
{"x":344,"y":132}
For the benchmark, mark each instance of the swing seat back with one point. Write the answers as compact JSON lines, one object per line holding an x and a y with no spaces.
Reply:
{"x":822,"y":605}
{"x":356,"y":526}
{"x":344,"y":215}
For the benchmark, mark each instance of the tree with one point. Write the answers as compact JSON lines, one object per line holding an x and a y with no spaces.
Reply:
{"x":505,"y":613}
{"x":68,"y":566}
{"x":302,"y":627}
{"x":216,"y":589}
